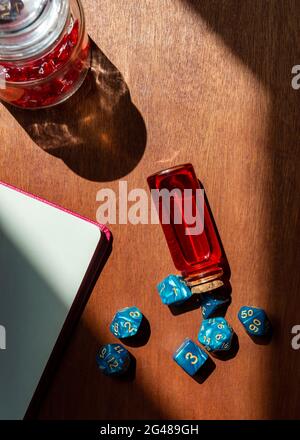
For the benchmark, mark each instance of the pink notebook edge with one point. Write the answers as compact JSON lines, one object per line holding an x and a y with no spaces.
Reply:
{"x":103,"y":228}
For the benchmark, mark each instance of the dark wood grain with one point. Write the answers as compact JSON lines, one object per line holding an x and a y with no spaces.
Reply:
{"x":207,"y":82}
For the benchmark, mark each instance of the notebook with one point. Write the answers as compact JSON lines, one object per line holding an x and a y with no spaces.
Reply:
{"x":49,"y":261}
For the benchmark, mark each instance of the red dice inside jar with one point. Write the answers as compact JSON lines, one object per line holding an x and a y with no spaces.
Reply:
{"x":44,"y":51}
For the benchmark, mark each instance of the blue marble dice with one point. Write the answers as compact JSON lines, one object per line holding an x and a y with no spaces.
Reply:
{"x":215,"y":334}
{"x":113,"y":359}
{"x":255,"y":321}
{"x":190,"y":357}
{"x":126,"y":322}
{"x":173,"y":290}
{"x":211,"y":303}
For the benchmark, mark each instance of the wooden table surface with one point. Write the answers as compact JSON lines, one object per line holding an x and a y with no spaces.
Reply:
{"x":174,"y":81}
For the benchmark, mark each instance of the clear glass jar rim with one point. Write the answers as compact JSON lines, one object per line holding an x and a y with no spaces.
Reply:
{"x":35,"y":38}
{"x":74,"y":54}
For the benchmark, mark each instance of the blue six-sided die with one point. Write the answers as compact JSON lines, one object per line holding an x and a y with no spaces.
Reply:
{"x":190,"y":357}
{"x":215,"y":334}
{"x":254,"y":320}
{"x":113,"y":359}
{"x":126,"y":322}
{"x":173,"y":290}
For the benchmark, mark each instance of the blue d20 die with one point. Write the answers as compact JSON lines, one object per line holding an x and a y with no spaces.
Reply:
{"x":215,"y":334}
{"x":254,"y":320}
{"x":173,"y":290}
{"x":210,"y":303}
{"x":126,"y":322}
{"x":113,"y":359}
{"x":190,"y":357}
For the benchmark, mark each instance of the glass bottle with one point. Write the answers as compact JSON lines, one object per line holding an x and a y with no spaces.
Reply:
{"x":197,"y":256}
{"x":44,"y":51}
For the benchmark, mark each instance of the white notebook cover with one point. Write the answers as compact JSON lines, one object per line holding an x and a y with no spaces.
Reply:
{"x":48,"y":258}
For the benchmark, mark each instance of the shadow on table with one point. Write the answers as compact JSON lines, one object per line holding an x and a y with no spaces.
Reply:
{"x":265,"y":37}
{"x":80,"y":391}
{"x":205,"y":371}
{"x":98,"y":132}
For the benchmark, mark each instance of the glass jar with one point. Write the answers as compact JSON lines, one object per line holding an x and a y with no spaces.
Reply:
{"x":44,"y":51}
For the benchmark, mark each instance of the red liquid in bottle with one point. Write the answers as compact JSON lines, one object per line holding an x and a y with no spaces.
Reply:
{"x":198,"y":255}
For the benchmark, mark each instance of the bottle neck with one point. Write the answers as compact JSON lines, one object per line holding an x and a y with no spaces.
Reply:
{"x":205,"y":281}
{"x":33,"y":28}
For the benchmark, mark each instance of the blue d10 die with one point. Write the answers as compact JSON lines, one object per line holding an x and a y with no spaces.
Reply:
{"x":173,"y":290}
{"x":190,"y":357}
{"x":215,"y":334}
{"x":113,"y":359}
{"x":126,"y":322}
{"x":210,"y":303}
{"x":254,"y":320}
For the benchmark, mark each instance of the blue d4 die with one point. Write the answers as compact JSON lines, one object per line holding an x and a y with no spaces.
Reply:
{"x":126,"y":322}
{"x":113,"y":359}
{"x":254,"y":320}
{"x":215,"y":334}
{"x":190,"y":357}
{"x":210,"y":303}
{"x":173,"y":290}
